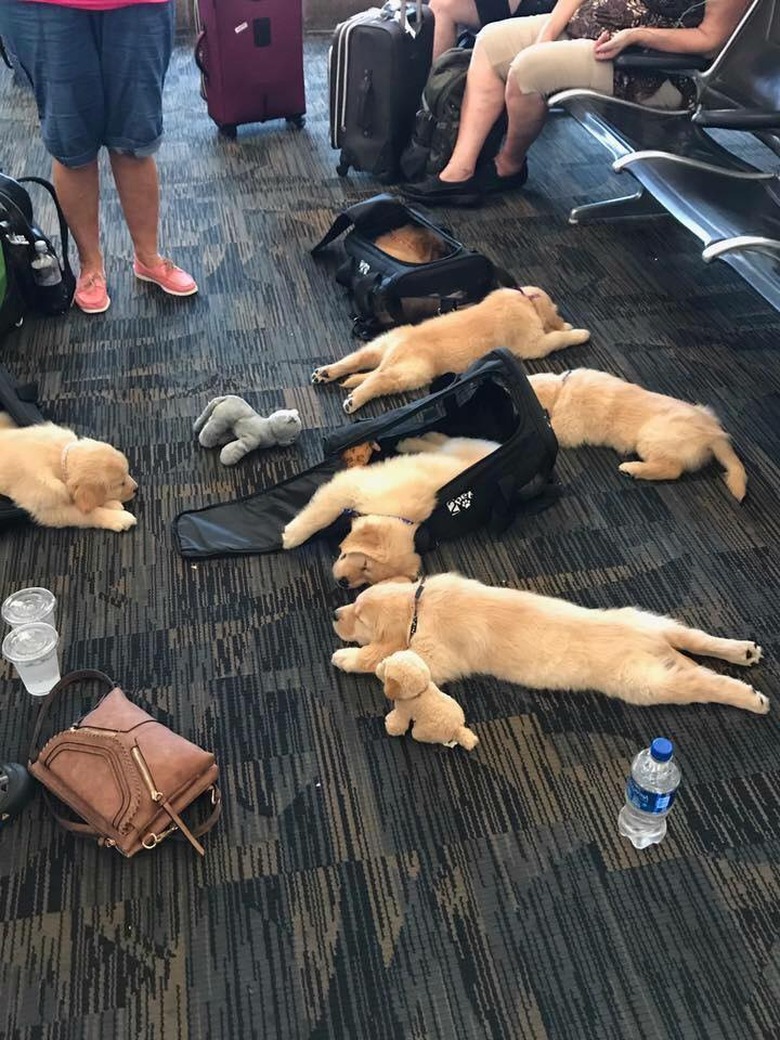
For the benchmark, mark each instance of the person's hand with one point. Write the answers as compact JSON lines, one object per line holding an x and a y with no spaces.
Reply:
{"x":609,"y":45}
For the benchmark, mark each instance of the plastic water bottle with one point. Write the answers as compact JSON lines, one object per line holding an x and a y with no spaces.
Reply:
{"x":650,"y":791}
{"x":46,"y":266}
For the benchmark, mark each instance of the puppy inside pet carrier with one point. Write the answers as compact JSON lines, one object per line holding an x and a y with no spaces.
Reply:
{"x":492,"y":400}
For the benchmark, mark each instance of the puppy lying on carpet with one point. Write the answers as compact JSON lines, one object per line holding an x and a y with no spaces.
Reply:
{"x":63,"y":480}
{"x":460,"y":627}
{"x":436,"y":718}
{"x":670,"y":436}
{"x":388,"y":501}
{"x":526,"y":322}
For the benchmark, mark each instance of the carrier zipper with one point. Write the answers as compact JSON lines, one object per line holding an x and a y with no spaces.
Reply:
{"x":143,"y":769}
{"x":94,"y":729}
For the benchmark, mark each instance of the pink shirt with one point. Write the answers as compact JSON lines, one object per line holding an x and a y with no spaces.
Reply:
{"x":97,"y":5}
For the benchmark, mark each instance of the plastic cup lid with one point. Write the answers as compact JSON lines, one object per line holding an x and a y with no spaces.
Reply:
{"x":29,"y":642}
{"x":27,"y":605}
{"x":661,"y":749}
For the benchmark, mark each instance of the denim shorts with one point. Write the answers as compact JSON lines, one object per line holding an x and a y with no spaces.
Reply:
{"x":97,"y":75}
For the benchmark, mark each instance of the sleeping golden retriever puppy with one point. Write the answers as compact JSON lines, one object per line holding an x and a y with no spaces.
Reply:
{"x":464,"y":628}
{"x":388,"y":501}
{"x":669,"y":436}
{"x":63,"y":480}
{"x":526,"y":322}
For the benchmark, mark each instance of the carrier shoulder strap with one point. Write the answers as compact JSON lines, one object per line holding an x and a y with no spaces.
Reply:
{"x":64,"y":234}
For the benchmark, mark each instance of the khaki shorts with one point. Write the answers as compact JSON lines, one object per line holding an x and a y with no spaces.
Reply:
{"x":545,"y":68}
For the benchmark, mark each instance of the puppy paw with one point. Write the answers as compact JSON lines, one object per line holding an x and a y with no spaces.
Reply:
{"x":762,"y":707}
{"x":292,"y":537}
{"x":320,"y":375}
{"x":753,"y":653}
{"x":120,"y":521}
{"x":349,"y":405}
{"x":449,"y":743}
{"x":345,"y":659}
{"x":582,"y":335}
{"x":567,"y":326}
{"x":629,"y":468}
{"x":393,"y":727}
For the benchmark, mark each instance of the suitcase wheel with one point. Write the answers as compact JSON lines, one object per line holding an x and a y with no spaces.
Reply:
{"x":297,"y":122}
{"x":228,"y":130}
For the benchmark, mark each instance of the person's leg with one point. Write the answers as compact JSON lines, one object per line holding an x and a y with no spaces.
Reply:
{"x":472,"y":14}
{"x":136,"y":47}
{"x":56,"y":49}
{"x":484,"y":99}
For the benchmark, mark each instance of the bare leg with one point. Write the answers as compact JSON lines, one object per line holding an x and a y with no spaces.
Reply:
{"x":527,"y":114}
{"x":367,"y":357}
{"x":653,"y":469}
{"x":352,"y":381}
{"x":78,"y":190}
{"x":483,"y":103}
{"x":139,"y":193}
{"x":694,"y":641}
{"x":448,"y":15}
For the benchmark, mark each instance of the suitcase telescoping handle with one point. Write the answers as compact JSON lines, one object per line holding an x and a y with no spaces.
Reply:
{"x":405,"y":16}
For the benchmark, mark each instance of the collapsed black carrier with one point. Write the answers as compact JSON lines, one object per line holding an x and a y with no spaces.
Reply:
{"x":492,"y":400}
{"x":20,"y":402}
{"x":386,"y":292}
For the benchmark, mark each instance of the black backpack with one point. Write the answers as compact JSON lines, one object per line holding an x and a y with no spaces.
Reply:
{"x":493,"y":400}
{"x":18,"y":236}
{"x":386,"y":292}
{"x":20,"y":402}
{"x":437,"y":122}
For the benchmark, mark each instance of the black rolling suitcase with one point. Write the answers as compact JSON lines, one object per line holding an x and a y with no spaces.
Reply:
{"x":378,"y":64}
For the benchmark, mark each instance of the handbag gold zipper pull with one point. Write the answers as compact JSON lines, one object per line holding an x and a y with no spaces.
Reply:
{"x":156,"y":796}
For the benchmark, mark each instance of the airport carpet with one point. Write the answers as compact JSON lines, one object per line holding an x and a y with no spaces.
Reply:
{"x":360,"y":886}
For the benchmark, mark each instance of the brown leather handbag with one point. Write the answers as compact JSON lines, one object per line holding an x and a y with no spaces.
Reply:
{"x":125,"y":774}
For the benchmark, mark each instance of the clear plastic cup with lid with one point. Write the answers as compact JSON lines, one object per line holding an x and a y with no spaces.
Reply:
{"x":29,"y":605}
{"x":32,"y":650}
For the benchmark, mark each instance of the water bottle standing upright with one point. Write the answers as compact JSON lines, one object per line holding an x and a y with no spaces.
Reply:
{"x":46,"y":266}
{"x":650,"y":792}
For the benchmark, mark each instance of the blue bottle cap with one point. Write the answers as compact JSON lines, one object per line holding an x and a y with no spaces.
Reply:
{"x":661,"y":749}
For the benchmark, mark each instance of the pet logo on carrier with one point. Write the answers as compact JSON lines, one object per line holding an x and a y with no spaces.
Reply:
{"x":364,"y":267}
{"x":459,"y":504}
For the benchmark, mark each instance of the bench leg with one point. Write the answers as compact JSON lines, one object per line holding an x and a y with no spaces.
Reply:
{"x":638,"y":205}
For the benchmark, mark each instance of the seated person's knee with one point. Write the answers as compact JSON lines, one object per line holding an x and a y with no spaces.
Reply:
{"x":530,"y":72}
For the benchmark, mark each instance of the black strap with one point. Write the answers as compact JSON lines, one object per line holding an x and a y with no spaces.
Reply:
{"x":64,"y":234}
{"x":354,"y":215}
{"x":82,"y":675}
{"x":415,"y":619}
{"x":365,"y":97}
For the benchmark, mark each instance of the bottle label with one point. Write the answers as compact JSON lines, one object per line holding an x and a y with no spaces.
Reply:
{"x":648,"y":801}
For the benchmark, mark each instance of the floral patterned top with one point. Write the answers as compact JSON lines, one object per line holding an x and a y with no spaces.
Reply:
{"x":592,"y":17}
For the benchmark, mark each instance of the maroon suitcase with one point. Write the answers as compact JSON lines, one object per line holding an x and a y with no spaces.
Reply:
{"x":250,"y":54}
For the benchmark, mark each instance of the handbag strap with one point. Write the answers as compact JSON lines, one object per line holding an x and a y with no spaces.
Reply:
{"x":81,"y":675}
{"x":184,"y":832}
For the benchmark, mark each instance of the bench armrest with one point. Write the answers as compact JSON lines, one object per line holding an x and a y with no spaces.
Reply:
{"x":738,"y":118}
{"x":641,"y":58}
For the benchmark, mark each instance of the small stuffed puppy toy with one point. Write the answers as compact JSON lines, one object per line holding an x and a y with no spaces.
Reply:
{"x":231,"y":421}
{"x":436,"y":718}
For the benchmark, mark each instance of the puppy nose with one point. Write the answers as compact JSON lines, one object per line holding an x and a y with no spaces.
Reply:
{"x":336,"y":613}
{"x":343,"y":583}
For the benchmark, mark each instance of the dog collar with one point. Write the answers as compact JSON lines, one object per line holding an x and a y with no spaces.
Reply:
{"x":64,"y":458}
{"x":352,"y":513}
{"x":566,"y":374}
{"x":415,"y":618}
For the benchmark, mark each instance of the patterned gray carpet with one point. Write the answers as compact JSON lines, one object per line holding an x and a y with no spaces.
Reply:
{"x":360,"y":886}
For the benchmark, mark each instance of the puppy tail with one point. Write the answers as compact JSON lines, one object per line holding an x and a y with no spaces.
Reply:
{"x":735,"y":476}
{"x":466,"y":738}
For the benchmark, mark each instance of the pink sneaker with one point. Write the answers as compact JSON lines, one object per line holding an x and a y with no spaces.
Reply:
{"x":91,"y":295}
{"x":168,"y":276}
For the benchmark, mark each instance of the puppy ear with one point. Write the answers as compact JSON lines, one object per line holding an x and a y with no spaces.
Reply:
{"x":392,"y":688}
{"x":368,"y":538}
{"x":87,"y":496}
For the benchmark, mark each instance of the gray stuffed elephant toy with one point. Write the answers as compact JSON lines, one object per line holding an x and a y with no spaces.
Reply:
{"x":234,"y":423}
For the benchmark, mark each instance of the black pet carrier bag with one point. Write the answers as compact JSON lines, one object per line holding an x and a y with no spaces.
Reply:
{"x":492,"y":400}
{"x":18,"y":401}
{"x":386,"y":292}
